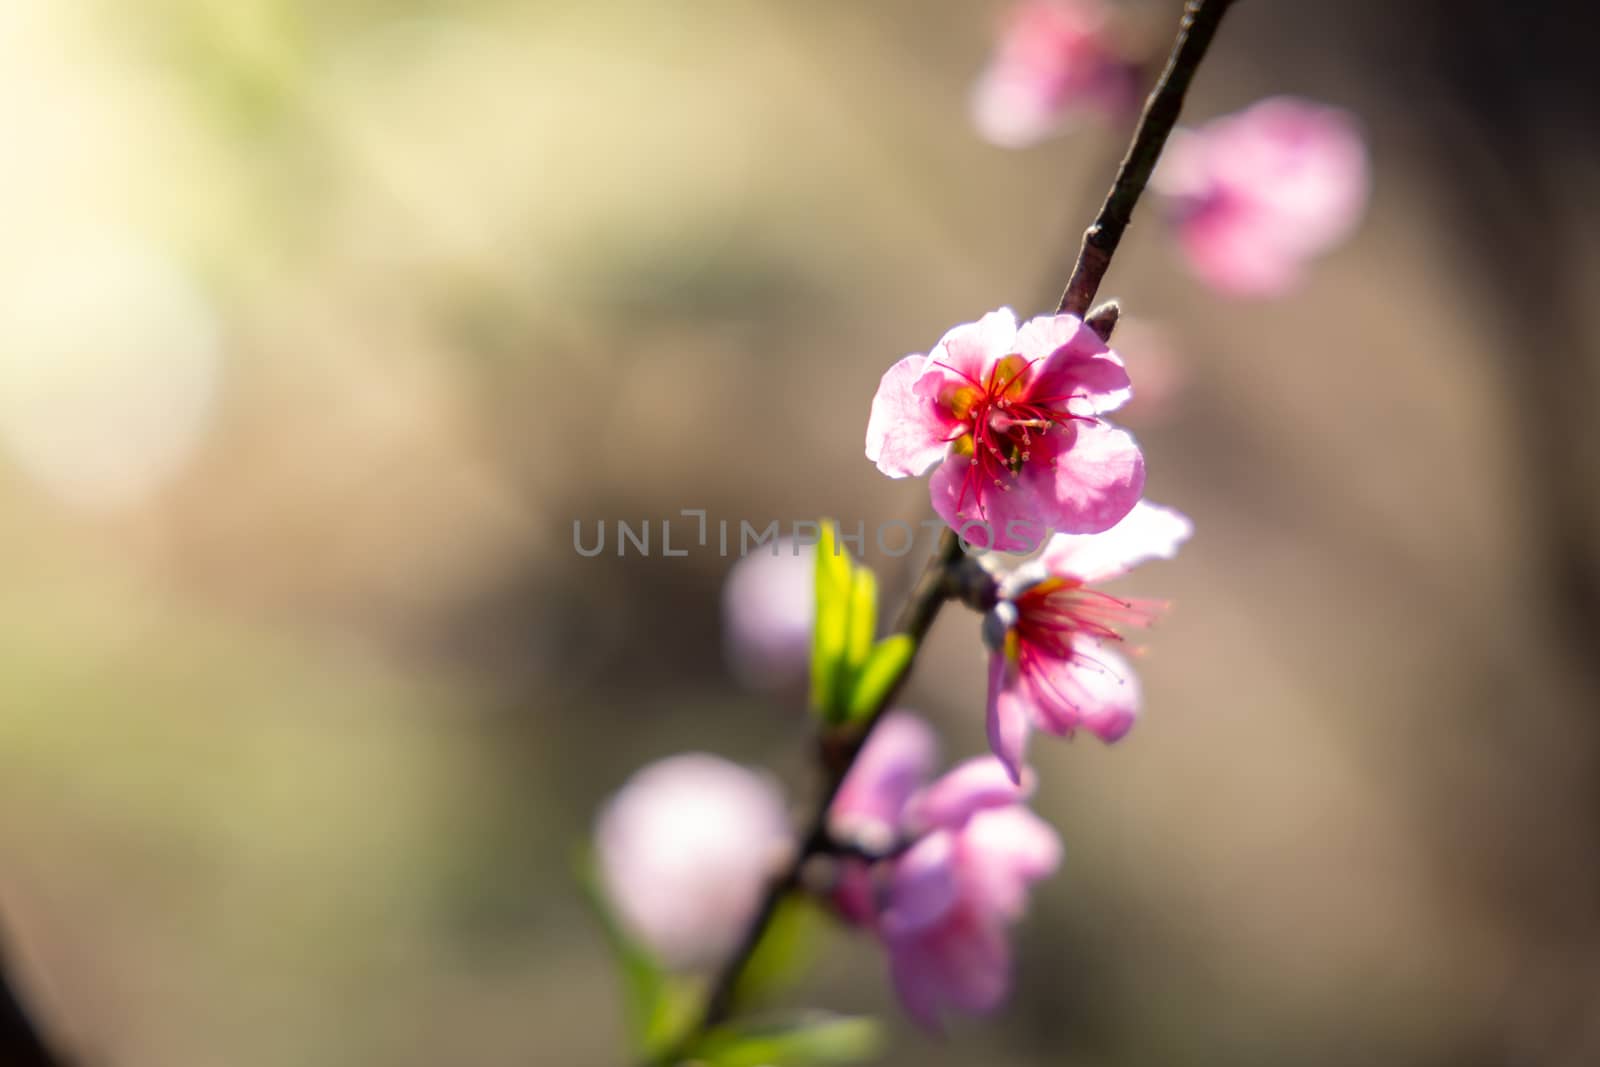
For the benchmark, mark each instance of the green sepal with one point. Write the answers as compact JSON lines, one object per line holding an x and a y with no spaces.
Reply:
{"x":787,"y":946}
{"x":659,"y":1006}
{"x":863,"y":626}
{"x":830,"y":635}
{"x":815,"y":1040}
{"x":878,"y":676}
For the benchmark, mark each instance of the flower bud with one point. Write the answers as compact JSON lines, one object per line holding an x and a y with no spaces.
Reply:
{"x":768,"y":605}
{"x":684,"y":851}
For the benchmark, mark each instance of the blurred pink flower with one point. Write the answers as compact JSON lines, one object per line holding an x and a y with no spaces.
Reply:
{"x":1049,"y":667}
{"x":898,"y":760}
{"x":1011,"y":418}
{"x":684,"y":851}
{"x":965,"y":851}
{"x":767,"y":608}
{"x":1258,"y":193}
{"x":1056,"y":59}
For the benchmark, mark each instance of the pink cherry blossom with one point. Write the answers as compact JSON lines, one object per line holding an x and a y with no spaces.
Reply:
{"x":942,"y":900}
{"x":684,"y":851}
{"x":1258,"y":193}
{"x":897,"y":761}
{"x":1050,"y":667}
{"x":767,"y":607}
{"x":1012,"y":419}
{"x":1056,"y":60}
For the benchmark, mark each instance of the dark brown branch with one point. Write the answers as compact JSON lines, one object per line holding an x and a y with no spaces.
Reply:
{"x":842,"y":849}
{"x":1100,"y":240}
{"x":838,"y":752}
{"x":21,"y":1044}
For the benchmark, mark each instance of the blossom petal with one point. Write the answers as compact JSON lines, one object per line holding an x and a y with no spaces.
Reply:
{"x":973,"y":347}
{"x":1008,"y":718}
{"x":1147,"y":532}
{"x":1097,"y":479}
{"x":1003,"y":852}
{"x":1237,"y":251}
{"x":923,"y":886}
{"x":1305,"y":165}
{"x":985,"y":515}
{"x":916,"y":981}
{"x":1073,"y":362}
{"x":1111,"y":691}
{"x":975,"y":785}
{"x":855,"y":895}
{"x":906,"y":432}
{"x":1096,"y":690}
{"x":897,"y":759}
{"x":973,"y":961}
{"x":1008,"y":109}
{"x":964,"y":963}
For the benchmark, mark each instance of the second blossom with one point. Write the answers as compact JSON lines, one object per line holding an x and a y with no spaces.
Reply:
{"x":1012,"y":419}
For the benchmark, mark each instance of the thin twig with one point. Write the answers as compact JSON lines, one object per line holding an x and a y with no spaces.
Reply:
{"x":841,"y":849}
{"x":838,"y":753}
{"x":1100,"y":240}
{"x":940,"y":580}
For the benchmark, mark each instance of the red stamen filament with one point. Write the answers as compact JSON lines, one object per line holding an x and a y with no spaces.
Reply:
{"x":1048,"y":619}
{"x":1005,"y":428}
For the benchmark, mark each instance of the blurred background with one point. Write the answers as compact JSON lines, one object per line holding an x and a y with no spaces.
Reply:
{"x":320,"y":323}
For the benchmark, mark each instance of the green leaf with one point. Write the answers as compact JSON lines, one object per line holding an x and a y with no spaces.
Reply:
{"x":831,"y":632}
{"x":674,"y":1012}
{"x":659,"y":1005}
{"x":787,"y":946}
{"x":863,"y":621}
{"x":811,"y":1041}
{"x":879,"y":675}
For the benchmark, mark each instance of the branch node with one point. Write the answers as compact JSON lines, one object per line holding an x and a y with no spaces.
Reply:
{"x":1103,"y":319}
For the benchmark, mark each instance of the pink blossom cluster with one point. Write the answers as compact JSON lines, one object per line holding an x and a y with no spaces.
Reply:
{"x":1011,"y":422}
{"x":958,"y":856}
{"x":1253,"y":196}
{"x":1012,"y":419}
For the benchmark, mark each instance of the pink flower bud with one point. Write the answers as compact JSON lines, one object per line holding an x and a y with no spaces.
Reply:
{"x":684,"y":851}
{"x":767,"y":607}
